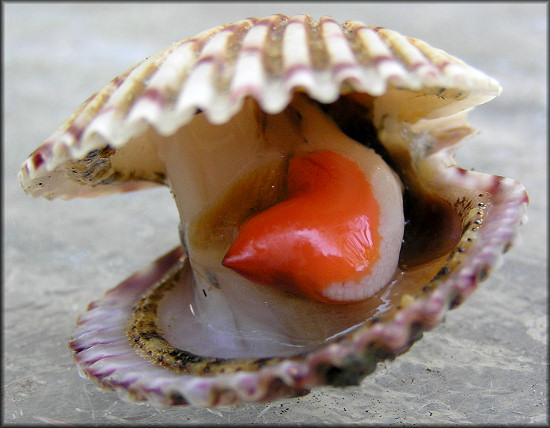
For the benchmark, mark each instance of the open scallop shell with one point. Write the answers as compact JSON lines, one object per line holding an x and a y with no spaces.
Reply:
{"x":420,"y":95}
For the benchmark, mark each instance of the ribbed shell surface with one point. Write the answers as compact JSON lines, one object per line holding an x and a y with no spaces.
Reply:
{"x":264,"y":58}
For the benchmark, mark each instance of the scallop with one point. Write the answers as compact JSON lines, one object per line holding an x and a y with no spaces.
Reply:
{"x":324,"y":223}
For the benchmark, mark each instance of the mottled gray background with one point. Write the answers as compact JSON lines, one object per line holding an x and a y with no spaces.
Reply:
{"x":485,"y":364}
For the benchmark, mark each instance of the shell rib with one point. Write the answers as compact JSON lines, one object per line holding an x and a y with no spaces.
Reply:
{"x":268,"y":59}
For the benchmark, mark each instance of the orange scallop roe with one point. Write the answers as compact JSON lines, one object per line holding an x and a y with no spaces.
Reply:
{"x":324,"y":232}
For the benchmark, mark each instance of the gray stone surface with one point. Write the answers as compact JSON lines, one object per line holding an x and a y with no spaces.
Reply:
{"x":485,"y":364}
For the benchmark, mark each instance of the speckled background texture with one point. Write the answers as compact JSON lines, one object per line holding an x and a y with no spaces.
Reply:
{"x":485,"y":364}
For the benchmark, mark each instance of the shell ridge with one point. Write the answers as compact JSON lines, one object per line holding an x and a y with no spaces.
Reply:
{"x":343,"y":63}
{"x":156,"y":104}
{"x":249,"y":77}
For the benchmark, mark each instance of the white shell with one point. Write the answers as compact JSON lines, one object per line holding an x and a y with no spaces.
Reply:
{"x":268,"y":59}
